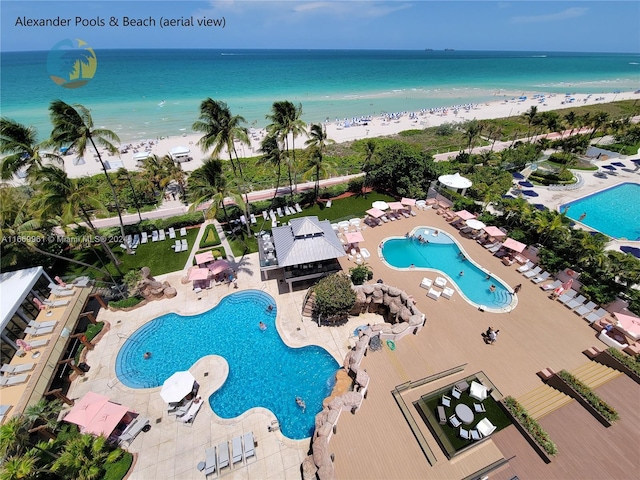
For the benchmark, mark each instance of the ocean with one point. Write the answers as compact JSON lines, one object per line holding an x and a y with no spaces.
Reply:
{"x":143,"y":94}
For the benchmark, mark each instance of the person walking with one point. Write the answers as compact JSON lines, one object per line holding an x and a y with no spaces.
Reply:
{"x":493,"y":336}
{"x":517,"y":288}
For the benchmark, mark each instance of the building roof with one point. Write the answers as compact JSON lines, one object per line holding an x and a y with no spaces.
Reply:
{"x":306,"y":240}
{"x":14,"y":287}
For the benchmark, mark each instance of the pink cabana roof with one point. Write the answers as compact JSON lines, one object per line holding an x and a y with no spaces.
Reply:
{"x":464,"y":215}
{"x":375,"y":212}
{"x":219,"y":266}
{"x":204,"y":257}
{"x":86,"y":408}
{"x":494,"y":231}
{"x":396,"y":205}
{"x":107,"y":419}
{"x":198,"y":274}
{"x":629,"y":324}
{"x":354,"y":237}
{"x":408,"y":201}
{"x":514,"y":245}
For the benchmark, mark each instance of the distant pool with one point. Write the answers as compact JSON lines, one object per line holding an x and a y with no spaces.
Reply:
{"x":443,"y":253}
{"x":263,"y":371}
{"x":614,"y":211}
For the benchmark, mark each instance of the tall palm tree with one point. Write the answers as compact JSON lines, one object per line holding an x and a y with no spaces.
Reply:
{"x":318,"y":167}
{"x":286,"y":122}
{"x":369,"y":155}
{"x":318,"y":137}
{"x":122,"y":175}
{"x":73,"y":127}
{"x":472,"y":130}
{"x":208,"y":184}
{"x":22,"y":150}
{"x":531,"y":115}
{"x":274,"y":156}
{"x":571,"y":119}
{"x":174,"y":172}
{"x":597,"y":121}
{"x":85,"y":457}
{"x":221,"y":130}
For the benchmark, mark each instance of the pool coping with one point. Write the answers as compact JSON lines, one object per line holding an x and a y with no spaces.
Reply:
{"x":507,"y":309}
{"x":611,"y":238}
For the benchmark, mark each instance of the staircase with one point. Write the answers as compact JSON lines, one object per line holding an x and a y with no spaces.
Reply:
{"x":307,"y":308}
{"x":543,"y":400}
{"x":594,"y":374}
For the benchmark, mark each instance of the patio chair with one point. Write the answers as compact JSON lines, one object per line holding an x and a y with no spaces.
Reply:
{"x":236,"y":450}
{"x":448,"y":292}
{"x":177,"y":247}
{"x":183,"y":409}
{"x":249,"y":446}
{"x":551,"y":286}
{"x":82,"y":282}
{"x":136,"y":241}
{"x":384,"y":219}
{"x":435,"y":294}
{"x":485,"y":427}
{"x":595,"y":316}
{"x":161,"y":235}
{"x":455,"y":393}
{"x":582,"y":310}
{"x":132,"y":430}
{"x":567,"y":296}
{"x":62,"y":292}
{"x":16,"y":369}
{"x":39,"y":343}
{"x":495,"y":248}
{"x":532,"y":273}
{"x":541,"y":278}
{"x":185,"y":245}
{"x":297,"y":207}
{"x":183,"y":232}
{"x":526,"y":267}
{"x":223,"y":456}
{"x":479,"y":408}
{"x":35,"y":324}
{"x":265,"y":214}
{"x":155,"y":236}
{"x":475,"y":434}
{"x":426,"y":283}
{"x":464,"y":433}
{"x":490,"y":245}
{"x":575,"y":302}
{"x":210,"y":461}
{"x":38,"y":331}
{"x":56,"y":303}
{"x":13,"y":380}
{"x":442,"y":416}
{"x":172,"y":233}
{"x":279,"y":210}
{"x":446,"y":401}
{"x":190,"y":416}
{"x":253,"y":219}
{"x":441,"y":282}
{"x":453,"y":420}
{"x":144,"y":238}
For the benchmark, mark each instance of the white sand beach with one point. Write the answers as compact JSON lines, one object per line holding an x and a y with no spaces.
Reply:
{"x":375,"y":127}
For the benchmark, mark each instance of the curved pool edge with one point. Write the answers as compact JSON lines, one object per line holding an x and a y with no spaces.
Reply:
{"x":506,"y":309}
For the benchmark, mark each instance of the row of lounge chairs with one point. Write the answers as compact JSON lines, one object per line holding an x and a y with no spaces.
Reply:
{"x":228,"y":454}
{"x":12,"y":380}
{"x":282,"y":212}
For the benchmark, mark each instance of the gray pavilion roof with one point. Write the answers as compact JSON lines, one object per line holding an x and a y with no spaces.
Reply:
{"x":306,"y":240}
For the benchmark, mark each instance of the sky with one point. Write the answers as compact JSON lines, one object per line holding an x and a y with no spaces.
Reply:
{"x":587,"y":26}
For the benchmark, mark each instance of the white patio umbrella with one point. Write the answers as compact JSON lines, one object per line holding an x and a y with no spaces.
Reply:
{"x":475,"y":224}
{"x":380,"y":205}
{"x":177,"y":386}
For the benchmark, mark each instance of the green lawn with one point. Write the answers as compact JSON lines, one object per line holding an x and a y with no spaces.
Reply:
{"x":119,"y":469}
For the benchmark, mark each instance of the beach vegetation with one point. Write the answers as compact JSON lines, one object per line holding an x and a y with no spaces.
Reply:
{"x":606,"y":410}
{"x":334,"y":299}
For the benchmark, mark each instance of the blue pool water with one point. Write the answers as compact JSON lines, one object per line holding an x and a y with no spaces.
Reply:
{"x":614,"y":211}
{"x":263,"y":371}
{"x":443,"y":253}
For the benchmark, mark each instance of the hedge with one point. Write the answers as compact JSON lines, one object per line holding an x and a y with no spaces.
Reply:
{"x":632,"y":363}
{"x":606,"y":410}
{"x":126,"y":303}
{"x":531,"y":425}
{"x":210,"y":237}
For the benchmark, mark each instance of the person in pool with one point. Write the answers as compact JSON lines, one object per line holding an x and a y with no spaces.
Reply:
{"x":147,"y":355}
{"x":263,"y":326}
{"x":301,"y":404}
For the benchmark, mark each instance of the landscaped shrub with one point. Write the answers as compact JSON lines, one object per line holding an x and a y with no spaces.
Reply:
{"x":355,"y":185}
{"x":334,"y":296}
{"x":210,"y":237}
{"x":360,"y":274}
{"x":126,"y":303}
{"x":606,"y":410}
{"x":632,"y":363}
{"x":537,"y":432}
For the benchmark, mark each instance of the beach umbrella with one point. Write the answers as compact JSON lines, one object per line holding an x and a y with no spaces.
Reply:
{"x":530,"y":193}
{"x":205,"y":257}
{"x":635,"y":251}
{"x":380,"y":205}
{"x":628,"y":323}
{"x":618,"y":164}
{"x":609,"y":167}
{"x":354,"y":237}
{"x":85,"y":409}
{"x":526,"y":184}
{"x":177,"y":386}
{"x":396,"y":206}
{"x":408,"y":201}
{"x":465,"y":215}
{"x":517,"y":176}
{"x":198,"y":274}
{"x":375,"y":212}
{"x":494,"y":231}
{"x":514,"y":245}
{"x":219,"y":266}
{"x":475,"y":224}
{"x":107,"y":419}
{"x":539,"y":206}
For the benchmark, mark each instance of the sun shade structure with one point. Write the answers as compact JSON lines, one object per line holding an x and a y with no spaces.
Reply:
{"x":177,"y":386}
{"x":219,"y":266}
{"x":86,"y":408}
{"x":140,"y":156}
{"x":396,"y":206}
{"x":475,"y":224}
{"x":199,"y":274}
{"x":96,"y":414}
{"x":493,"y":231}
{"x":202,"y":258}
{"x":464,"y":215}
{"x":408,"y":201}
{"x":179,"y":151}
{"x":354,"y":237}
{"x":107,"y":419}
{"x":380,"y":205}
{"x":628,"y":323}
{"x":375,"y":212}
{"x":455,"y":182}
{"x":514,"y":245}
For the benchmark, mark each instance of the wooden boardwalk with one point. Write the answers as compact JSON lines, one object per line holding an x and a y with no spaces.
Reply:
{"x":378,"y":443}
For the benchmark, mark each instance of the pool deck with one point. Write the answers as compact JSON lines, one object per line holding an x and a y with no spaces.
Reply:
{"x":539,"y":333}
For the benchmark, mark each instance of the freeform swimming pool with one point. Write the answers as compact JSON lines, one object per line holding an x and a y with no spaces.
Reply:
{"x":614,"y":211}
{"x":443,"y":253}
{"x":263,"y":371}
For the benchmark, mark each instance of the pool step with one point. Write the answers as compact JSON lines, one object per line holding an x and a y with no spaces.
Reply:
{"x":543,"y":400}
{"x":594,"y":374}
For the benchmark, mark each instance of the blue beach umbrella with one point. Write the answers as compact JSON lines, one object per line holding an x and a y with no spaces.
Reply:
{"x":539,"y":206}
{"x":618,"y":164}
{"x":517,"y":176}
{"x":529,"y":193}
{"x":635,"y":251}
{"x":609,"y":167}
{"x":526,"y":184}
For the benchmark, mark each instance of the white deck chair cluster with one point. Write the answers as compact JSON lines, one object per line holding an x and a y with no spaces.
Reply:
{"x":228,"y":454}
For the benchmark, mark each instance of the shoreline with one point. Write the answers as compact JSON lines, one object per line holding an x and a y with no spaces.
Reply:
{"x":345,"y":130}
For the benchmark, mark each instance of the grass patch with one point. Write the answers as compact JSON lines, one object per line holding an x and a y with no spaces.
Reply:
{"x":118,"y":470}
{"x":210,"y":237}
{"x":126,"y":303}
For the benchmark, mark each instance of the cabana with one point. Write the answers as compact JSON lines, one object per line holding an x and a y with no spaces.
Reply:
{"x":204,"y":258}
{"x":465,"y":215}
{"x":514,"y":245}
{"x":199,"y":277}
{"x":629,"y":324}
{"x":455,"y":182}
{"x":375,"y":212}
{"x":180,"y":154}
{"x":97,"y":415}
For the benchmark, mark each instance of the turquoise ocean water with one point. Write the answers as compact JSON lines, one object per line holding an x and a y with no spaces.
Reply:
{"x":150,"y":93}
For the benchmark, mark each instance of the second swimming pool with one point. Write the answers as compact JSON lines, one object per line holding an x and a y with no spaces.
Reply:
{"x":442,"y":253}
{"x":263,"y":371}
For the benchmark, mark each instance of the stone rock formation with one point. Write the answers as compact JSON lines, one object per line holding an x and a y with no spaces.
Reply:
{"x":151,"y":289}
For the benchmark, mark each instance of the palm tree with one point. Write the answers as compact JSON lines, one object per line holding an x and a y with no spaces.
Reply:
{"x":571,"y":120}
{"x":318,"y":167}
{"x":548,"y":223}
{"x":318,"y":137}
{"x":85,"y":457}
{"x":285,"y":121}
{"x":174,"y":172}
{"x":123,"y":175}
{"x":22,"y":149}
{"x":531,"y":115}
{"x":45,"y":413}
{"x":273,"y":155}
{"x":208,"y":184}
{"x":597,"y":121}
{"x":19,"y":467}
{"x":369,"y":154}
{"x":221,"y":130}
{"x":73,"y":127}
{"x":472,"y":130}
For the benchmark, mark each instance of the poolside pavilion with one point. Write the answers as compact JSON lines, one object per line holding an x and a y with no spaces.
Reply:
{"x":305,"y":249}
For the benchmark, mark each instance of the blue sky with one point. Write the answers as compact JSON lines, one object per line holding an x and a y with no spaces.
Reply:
{"x":587,"y":26}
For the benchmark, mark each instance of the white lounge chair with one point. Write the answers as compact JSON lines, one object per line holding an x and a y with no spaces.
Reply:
{"x":161,"y":235}
{"x":172,"y":233}
{"x":144,"y":238}
{"x":183,"y":232}
{"x":177,"y":246}
{"x":551,"y":286}
{"x":532,"y":273}
{"x":495,"y":248}
{"x":526,"y":267}
{"x":541,"y":278}
{"x":136,"y":241}
{"x":249,"y":446}
{"x":279,"y":210}
{"x":13,"y":380}
{"x":365,"y":253}
{"x":82,"y":282}
{"x":62,"y":292}
{"x":185,"y":245}
{"x":455,"y":393}
{"x":155,"y":235}
{"x":479,"y":408}
{"x":595,"y":316}
{"x":567,"y":296}
{"x":253,"y":219}
{"x":38,"y":331}
{"x":210,"y":462}
{"x":582,"y":310}
{"x":55,"y":303}
{"x":453,"y":420}
{"x":15,"y":369}
{"x":223,"y":456}
{"x":475,"y":435}
{"x":236,"y":450}
{"x":297,"y":207}
{"x":448,"y":292}
{"x":328,"y":204}
{"x":441,"y":282}
{"x":35,"y":324}
{"x":435,"y":294}
{"x":426,"y":283}
{"x":264,"y":214}
{"x":446,"y":401}
{"x":190,"y":414}
{"x":133,"y":429}
{"x":39,"y":343}
{"x":478,"y":391}
{"x":575,"y":302}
